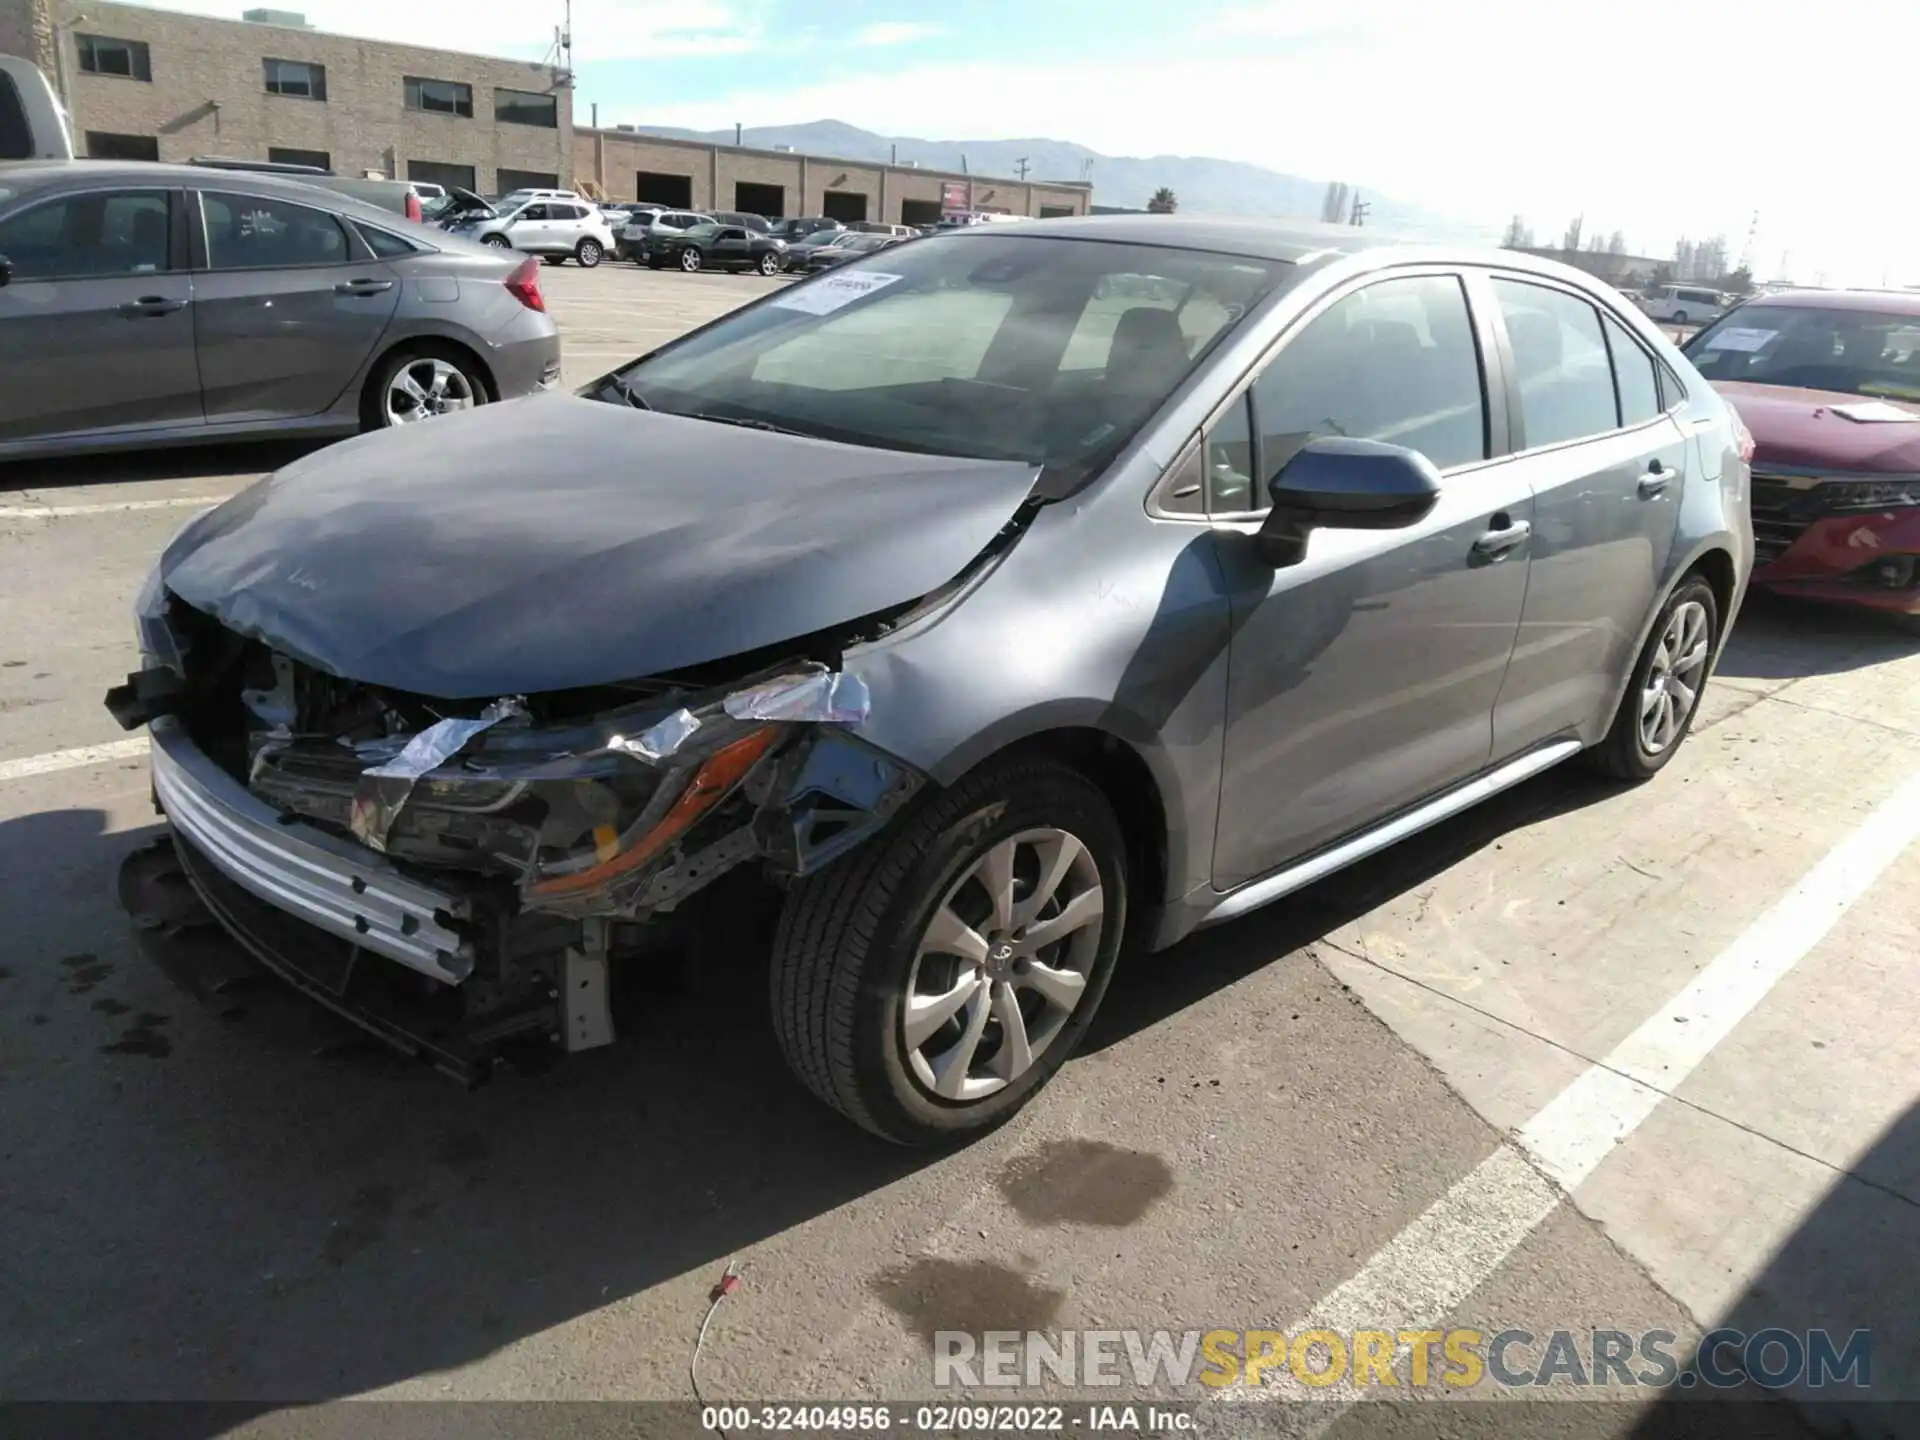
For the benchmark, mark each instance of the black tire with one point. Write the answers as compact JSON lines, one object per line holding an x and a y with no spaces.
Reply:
{"x":499,"y":242}
{"x":690,"y":260}
{"x":1679,"y":317}
{"x":1623,"y":754}
{"x":769,"y":264}
{"x":589,"y":253}
{"x":848,"y":938}
{"x":553,"y":259}
{"x":373,"y":409}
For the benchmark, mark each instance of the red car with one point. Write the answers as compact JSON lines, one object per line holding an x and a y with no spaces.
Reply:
{"x":1828,"y":382}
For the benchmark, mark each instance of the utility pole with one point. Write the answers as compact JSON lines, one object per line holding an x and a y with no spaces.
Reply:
{"x":1746,"y":254}
{"x":1358,"y":215}
{"x":1020,"y":167}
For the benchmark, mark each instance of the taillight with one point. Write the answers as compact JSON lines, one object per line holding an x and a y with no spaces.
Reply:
{"x":414,"y":212}
{"x":524,"y":283}
{"x":1742,"y":437}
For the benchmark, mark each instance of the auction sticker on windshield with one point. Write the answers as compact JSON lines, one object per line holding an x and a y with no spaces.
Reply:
{"x":827,"y":295}
{"x":1738,"y":339}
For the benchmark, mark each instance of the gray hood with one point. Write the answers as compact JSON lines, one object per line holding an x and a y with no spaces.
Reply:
{"x":555,"y":542}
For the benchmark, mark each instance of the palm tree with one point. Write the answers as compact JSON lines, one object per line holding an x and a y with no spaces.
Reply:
{"x":1164,"y":202}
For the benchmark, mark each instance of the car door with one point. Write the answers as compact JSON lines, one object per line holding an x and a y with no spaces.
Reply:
{"x":96,"y":320}
{"x":732,"y":247}
{"x":1363,"y":678}
{"x":532,"y":229}
{"x":288,"y":306}
{"x":1607,"y":467}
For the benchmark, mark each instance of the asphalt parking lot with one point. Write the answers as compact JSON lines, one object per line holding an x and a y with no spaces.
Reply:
{"x":1373,"y":1105}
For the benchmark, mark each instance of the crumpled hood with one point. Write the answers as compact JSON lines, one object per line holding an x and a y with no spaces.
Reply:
{"x":1798,"y":427}
{"x":555,"y":542}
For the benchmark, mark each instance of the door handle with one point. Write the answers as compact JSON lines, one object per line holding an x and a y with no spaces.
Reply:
{"x":1655,"y":481}
{"x":362,"y":287}
{"x":1502,"y":538}
{"x":151,"y":305}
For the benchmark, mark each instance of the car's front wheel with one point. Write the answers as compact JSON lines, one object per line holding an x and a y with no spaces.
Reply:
{"x":499,"y":242}
{"x":588,"y":253}
{"x":689,"y":259}
{"x":1663,"y":696}
{"x":769,"y":264}
{"x":929,"y":983}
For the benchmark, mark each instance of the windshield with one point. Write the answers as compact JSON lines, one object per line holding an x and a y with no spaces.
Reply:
{"x":1049,"y":351}
{"x":1854,"y":352}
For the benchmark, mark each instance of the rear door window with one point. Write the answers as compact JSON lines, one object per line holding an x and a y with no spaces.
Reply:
{"x":1395,"y":362}
{"x":1633,"y":375}
{"x":253,"y":232}
{"x":1560,"y":362}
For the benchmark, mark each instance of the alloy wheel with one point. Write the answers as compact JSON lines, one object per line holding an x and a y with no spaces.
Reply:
{"x":689,"y":259}
{"x":588,"y":254}
{"x":425,"y":387}
{"x":1002,"y":964}
{"x":769,"y":264}
{"x":1674,"y":679}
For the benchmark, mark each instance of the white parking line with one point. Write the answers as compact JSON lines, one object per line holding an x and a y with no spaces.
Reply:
{"x":75,"y":759}
{"x":106,"y":507}
{"x":1459,"y":1241}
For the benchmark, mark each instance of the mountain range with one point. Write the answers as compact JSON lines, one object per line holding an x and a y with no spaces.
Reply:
{"x":1202,"y":185}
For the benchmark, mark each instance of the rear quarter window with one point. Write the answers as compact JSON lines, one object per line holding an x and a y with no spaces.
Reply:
{"x":16,"y":135}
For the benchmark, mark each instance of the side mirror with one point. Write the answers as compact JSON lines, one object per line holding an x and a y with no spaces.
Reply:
{"x":6,"y":270}
{"x":1339,"y":483}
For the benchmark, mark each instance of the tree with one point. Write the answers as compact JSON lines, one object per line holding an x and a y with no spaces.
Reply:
{"x":1617,"y":243}
{"x":1571,"y":239}
{"x":1519,"y":235}
{"x":1333,"y":205}
{"x":1737,"y":282}
{"x":1164,"y":202}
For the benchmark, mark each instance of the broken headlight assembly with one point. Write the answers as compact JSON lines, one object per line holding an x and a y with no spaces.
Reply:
{"x":1852,"y":496}
{"x":606,"y":817}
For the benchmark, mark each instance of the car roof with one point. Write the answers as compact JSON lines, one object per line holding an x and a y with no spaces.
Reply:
{"x":1294,"y":241}
{"x":1882,"y":302}
{"x":26,"y":177}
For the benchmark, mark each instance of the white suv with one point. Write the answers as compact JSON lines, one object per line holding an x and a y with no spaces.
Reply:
{"x":553,"y":229}
{"x":1683,"y":304}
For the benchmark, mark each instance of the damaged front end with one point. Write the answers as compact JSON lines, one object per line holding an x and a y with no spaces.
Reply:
{"x":503,"y":852}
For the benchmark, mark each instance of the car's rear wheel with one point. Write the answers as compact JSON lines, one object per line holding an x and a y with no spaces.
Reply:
{"x":689,"y":259}
{"x":769,"y":264}
{"x":499,"y":242}
{"x":588,"y":253}
{"x":421,"y":382}
{"x":929,"y":983}
{"x":1664,"y":692}
{"x":1679,"y":317}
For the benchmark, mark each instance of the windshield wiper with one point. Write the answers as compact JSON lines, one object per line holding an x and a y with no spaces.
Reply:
{"x":628,"y":393}
{"x":746,"y":424}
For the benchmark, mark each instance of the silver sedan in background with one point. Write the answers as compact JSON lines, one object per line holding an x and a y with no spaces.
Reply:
{"x":145,"y":305}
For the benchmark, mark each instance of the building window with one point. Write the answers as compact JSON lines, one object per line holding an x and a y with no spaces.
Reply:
{"x":440,"y":97}
{"x":101,"y":55}
{"x":435,"y":172}
{"x":522,"y":107}
{"x":102,"y":145}
{"x":315,"y":159}
{"x":296,"y":78}
{"x":1055,"y":212}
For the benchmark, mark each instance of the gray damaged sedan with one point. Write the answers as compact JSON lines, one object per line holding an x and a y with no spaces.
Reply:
{"x":1005,"y":603}
{"x":145,"y":305}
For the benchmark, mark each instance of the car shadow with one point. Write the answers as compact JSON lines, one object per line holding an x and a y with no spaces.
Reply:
{"x":183,"y":462}
{"x":320,"y":1219}
{"x":1847,"y":1268}
{"x":1780,"y":638}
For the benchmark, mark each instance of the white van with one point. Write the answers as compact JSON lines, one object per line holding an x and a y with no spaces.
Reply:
{"x":33,"y":126}
{"x":1684,"y":304}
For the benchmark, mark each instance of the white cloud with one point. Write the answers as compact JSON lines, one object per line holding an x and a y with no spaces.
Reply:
{"x":898,"y":32}
{"x":1482,"y":109}
{"x":602,"y":29}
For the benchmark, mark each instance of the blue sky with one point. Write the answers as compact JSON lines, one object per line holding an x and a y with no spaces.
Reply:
{"x":1648,"y":116}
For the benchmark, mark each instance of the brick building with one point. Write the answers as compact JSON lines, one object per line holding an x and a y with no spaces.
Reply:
{"x":158,"y":85}
{"x":696,"y":175}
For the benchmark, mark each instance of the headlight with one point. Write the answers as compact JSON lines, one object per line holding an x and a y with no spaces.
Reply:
{"x":1889,"y":494}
